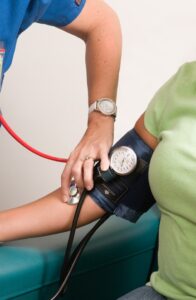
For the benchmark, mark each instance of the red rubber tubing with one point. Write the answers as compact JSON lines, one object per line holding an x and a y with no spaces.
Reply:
{"x":24,"y":144}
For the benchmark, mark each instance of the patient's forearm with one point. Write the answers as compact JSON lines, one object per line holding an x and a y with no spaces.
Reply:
{"x":43,"y":217}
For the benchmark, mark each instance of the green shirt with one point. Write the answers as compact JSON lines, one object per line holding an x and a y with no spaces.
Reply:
{"x":171,"y":117}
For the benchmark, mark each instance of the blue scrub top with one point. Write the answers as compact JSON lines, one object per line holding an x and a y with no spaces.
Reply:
{"x":17,"y":15}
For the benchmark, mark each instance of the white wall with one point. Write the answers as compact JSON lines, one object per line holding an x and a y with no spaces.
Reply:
{"x":44,"y":94}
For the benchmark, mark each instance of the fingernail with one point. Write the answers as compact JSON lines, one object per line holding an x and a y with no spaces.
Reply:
{"x":104,"y":168}
{"x":89,"y":187}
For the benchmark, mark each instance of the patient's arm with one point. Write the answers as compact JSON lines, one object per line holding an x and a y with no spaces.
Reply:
{"x":49,"y":214}
{"x":45,"y":216}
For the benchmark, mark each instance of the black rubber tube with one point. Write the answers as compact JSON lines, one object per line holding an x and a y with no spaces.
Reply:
{"x":71,"y":235}
{"x":76,"y":255}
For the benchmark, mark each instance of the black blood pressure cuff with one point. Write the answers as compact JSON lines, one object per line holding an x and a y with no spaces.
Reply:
{"x":127,"y":196}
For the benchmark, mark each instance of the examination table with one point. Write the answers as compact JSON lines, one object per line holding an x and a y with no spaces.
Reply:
{"x":116,"y":260}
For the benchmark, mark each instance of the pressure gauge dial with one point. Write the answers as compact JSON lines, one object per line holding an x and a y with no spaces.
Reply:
{"x":123,"y":160}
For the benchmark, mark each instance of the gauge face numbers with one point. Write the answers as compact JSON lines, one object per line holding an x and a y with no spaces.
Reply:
{"x":106,"y":106}
{"x":123,"y":160}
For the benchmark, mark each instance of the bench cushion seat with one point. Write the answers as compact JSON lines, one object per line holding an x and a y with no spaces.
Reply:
{"x":116,"y":260}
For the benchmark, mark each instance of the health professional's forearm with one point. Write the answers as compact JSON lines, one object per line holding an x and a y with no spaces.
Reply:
{"x":103,"y":56}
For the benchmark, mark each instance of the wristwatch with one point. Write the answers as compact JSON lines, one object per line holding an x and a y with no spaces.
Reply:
{"x":105,"y":106}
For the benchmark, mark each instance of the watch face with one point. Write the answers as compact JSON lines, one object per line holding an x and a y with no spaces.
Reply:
{"x":107,"y":106}
{"x":123,"y":160}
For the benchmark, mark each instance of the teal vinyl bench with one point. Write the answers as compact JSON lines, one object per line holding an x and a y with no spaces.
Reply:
{"x":116,"y":260}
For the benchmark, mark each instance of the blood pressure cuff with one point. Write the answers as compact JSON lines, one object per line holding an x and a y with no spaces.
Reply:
{"x":127,"y":196}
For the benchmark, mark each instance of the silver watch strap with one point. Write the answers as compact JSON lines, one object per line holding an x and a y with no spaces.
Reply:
{"x":92,"y":107}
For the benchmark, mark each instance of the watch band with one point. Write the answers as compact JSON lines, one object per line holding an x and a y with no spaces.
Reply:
{"x":95,"y":107}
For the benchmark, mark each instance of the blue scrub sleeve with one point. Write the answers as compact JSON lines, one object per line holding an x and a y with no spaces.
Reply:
{"x":61,"y":12}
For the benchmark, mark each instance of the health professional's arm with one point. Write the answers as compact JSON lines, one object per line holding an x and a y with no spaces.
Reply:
{"x":98,"y":26}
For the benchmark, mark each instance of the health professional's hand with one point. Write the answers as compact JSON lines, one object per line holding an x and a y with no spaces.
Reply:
{"x":94,"y":145}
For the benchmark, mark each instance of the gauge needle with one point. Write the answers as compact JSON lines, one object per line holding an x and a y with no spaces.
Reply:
{"x":123,"y":161}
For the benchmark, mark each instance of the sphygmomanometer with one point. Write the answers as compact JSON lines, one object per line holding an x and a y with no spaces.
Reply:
{"x":122,"y":190}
